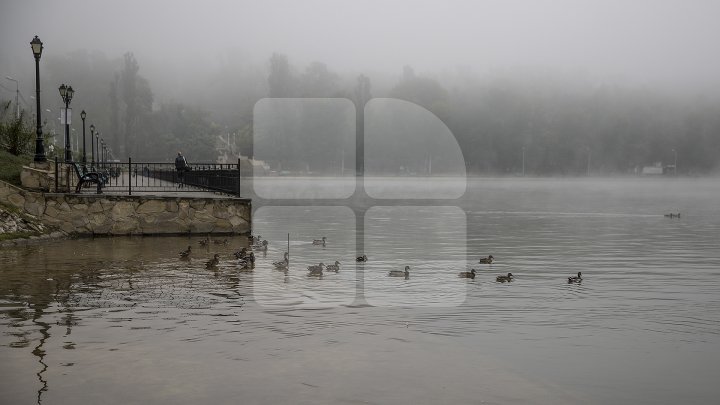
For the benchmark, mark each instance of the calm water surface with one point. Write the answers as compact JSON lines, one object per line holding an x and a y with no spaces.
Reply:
{"x":123,"y":321}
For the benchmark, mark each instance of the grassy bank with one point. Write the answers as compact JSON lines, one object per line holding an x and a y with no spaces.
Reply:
{"x":11,"y":165}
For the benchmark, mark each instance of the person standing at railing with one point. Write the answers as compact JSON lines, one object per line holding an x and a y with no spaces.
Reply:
{"x":181,"y":166}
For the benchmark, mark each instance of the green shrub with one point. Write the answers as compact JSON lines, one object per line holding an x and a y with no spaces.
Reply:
{"x":16,"y":135}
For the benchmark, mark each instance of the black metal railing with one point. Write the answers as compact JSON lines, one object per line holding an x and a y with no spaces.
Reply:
{"x":152,"y":177}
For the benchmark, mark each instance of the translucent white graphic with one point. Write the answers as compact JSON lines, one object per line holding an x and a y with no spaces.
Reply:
{"x":312,"y":139}
{"x":411,"y":145}
{"x":294,"y":286}
{"x":435,"y":256}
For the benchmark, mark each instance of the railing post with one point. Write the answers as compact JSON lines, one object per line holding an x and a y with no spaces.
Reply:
{"x":129,"y":175}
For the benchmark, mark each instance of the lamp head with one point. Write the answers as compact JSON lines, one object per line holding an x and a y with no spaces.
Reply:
{"x":37,"y":47}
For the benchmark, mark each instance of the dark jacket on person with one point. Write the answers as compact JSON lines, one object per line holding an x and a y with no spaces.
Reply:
{"x":180,"y":163}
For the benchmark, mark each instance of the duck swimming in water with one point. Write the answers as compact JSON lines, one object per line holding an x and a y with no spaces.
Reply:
{"x":283,"y":264}
{"x":467,"y":274}
{"x":487,"y":260}
{"x":577,"y":279}
{"x":316,"y":270}
{"x":248,"y":260}
{"x":320,"y":241}
{"x":505,"y":279}
{"x":400,"y":273}
{"x":333,"y":267}
{"x":241,"y":254}
{"x":261,"y":246}
{"x":185,"y":254}
{"x":362,"y":258}
{"x":213,"y":262}
{"x":204,"y":242}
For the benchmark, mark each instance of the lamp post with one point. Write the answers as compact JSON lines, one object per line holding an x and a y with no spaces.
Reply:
{"x":97,"y":147}
{"x":37,"y":47}
{"x":83,"y":114}
{"x":17,"y":94}
{"x":102,"y":152}
{"x":675,"y":165}
{"x":92,"y":145}
{"x":67,"y":92}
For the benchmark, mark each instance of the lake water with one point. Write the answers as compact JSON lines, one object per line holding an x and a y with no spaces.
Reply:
{"x":123,"y":321}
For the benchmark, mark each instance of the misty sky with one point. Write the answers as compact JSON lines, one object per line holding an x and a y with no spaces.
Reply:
{"x":643,"y":41}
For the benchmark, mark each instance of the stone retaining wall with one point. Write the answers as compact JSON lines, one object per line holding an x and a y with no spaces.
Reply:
{"x":104,"y":214}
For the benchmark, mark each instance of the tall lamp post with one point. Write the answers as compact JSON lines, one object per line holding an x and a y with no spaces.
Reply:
{"x":92,"y":145}
{"x":97,"y":147}
{"x":102,"y":152}
{"x":17,"y":94}
{"x":83,"y":114}
{"x":67,"y":92}
{"x":37,"y":47}
{"x":675,"y":166}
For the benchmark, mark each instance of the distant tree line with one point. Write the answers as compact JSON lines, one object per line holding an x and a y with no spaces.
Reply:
{"x":562,"y":126}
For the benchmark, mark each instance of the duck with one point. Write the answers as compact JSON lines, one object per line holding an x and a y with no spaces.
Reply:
{"x":241,"y":254}
{"x":400,"y":273}
{"x":319,"y":241}
{"x":575,"y":279}
{"x":362,"y":258}
{"x":220,"y":242}
{"x":505,"y":279}
{"x":204,"y":242}
{"x":487,"y":260}
{"x":333,"y":267}
{"x":467,"y":274}
{"x":254,"y":239}
{"x":250,"y":258}
{"x":261,"y":246}
{"x":185,"y":254}
{"x":316,"y":270}
{"x":213,"y":262}
{"x":248,"y":262}
{"x":283,"y":264}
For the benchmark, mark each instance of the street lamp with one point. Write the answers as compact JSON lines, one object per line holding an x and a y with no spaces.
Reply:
{"x":92,"y":145}
{"x":102,"y":152}
{"x":67,"y":92}
{"x":675,"y":165}
{"x":37,"y":47}
{"x":17,"y":93}
{"x":83,"y":114}
{"x":97,"y":147}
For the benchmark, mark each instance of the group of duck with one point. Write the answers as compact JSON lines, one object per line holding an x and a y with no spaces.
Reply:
{"x":246,"y":260}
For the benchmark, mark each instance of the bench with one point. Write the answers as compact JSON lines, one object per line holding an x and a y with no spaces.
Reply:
{"x":88,"y":177}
